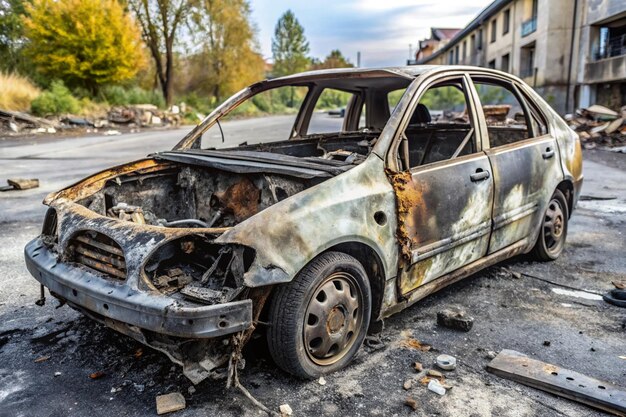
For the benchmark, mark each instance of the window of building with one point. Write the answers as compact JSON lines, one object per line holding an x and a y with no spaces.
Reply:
{"x":494,"y":29}
{"x":473,"y":43}
{"x":451,"y":57}
{"x":464,"y":50}
{"x":504,"y":113}
{"x":479,"y":40}
{"x":505,"y":64}
{"x":492,"y":64}
{"x":506,"y":23}
{"x":527,"y":60}
{"x":440,"y":127}
{"x":611,"y":40}
{"x":456,"y":54}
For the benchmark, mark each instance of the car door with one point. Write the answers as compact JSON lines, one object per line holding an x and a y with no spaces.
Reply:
{"x":524,"y":159}
{"x":445,"y":192}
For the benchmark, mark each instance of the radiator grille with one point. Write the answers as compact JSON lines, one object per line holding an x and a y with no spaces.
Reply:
{"x":99,"y":252}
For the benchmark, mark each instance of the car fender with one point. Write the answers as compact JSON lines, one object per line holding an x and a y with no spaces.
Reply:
{"x":289,"y":234}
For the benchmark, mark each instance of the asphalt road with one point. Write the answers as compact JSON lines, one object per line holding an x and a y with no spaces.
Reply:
{"x":584,"y":333}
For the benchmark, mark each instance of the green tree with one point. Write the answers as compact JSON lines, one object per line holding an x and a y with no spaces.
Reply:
{"x":11,"y":35}
{"x":161,"y":22}
{"x":85,"y":43}
{"x":228,"y":47}
{"x":289,"y":46}
{"x":334,"y":60}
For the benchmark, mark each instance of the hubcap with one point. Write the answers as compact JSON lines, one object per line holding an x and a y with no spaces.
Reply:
{"x":332,"y":319}
{"x":553,"y":225}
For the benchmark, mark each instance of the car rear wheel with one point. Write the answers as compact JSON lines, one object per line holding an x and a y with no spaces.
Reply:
{"x":320,"y":319}
{"x":551,"y":240}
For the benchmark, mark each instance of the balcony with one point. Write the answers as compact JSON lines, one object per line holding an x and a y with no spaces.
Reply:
{"x":610,"y":48}
{"x":529,"y":26}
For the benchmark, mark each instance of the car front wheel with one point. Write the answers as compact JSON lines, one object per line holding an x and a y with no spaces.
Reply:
{"x":551,"y":240}
{"x":320,"y":319}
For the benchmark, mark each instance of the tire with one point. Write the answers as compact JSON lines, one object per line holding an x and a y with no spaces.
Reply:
{"x":320,"y":319}
{"x":553,"y":232}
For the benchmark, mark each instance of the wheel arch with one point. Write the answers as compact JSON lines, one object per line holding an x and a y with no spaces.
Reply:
{"x":374,"y":267}
{"x":567,"y":188}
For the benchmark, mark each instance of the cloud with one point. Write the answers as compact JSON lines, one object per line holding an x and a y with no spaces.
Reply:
{"x":380,"y":30}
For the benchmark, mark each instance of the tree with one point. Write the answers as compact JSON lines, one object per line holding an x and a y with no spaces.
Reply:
{"x":289,"y":46}
{"x":86,"y":43}
{"x":161,"y":21}
{"x":228,"y":47}
{"x":11,"y":35}
{"x":334,"y":60}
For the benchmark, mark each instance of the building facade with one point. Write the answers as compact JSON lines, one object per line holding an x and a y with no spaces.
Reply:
{"x":571,"y":51}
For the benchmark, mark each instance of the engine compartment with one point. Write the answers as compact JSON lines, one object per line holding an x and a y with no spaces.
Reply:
{"x":191,"y":196}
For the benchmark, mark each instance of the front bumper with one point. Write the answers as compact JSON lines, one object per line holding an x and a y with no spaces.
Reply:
{"x":118,"y":301}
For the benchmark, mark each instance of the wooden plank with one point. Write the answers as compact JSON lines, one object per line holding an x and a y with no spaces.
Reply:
{"x":517,"y":367}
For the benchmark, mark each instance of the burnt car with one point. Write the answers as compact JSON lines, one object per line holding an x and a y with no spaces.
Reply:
{"x":312,"y":228}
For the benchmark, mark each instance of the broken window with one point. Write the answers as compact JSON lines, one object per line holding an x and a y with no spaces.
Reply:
{"x":329,"y":112}
{"x":440,"y":127}
{"x":504,"y":114}
{"x":270,"y":115}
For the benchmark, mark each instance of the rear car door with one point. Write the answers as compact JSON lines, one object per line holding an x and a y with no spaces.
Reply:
{"x":445,"y":192}
{"x":524,"y":159}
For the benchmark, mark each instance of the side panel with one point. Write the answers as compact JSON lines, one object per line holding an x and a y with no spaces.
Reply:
{"x":444,"y":218}
{"x":526,"y":174}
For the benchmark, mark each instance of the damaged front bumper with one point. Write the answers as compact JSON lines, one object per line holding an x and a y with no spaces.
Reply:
{"x":147,"y":311}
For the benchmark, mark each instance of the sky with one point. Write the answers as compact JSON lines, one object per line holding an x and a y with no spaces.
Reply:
{"x":381,"y":29}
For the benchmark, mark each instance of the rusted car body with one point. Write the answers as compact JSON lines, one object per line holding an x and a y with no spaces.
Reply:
{"x":122,"y":246}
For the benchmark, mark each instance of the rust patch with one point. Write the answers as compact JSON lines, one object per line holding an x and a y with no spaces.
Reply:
{"x":241,"y":199}
{"x":410,"y":206}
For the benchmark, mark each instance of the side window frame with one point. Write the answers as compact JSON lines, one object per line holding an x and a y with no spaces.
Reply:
{"x":534,"y":111}
{"x":514,"y":90}
{"x":469,"y":93}
{"x":315,"y":92}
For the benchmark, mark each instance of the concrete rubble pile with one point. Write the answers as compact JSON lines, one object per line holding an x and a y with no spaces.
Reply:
{"x":599,"y":126}
{"x":131,"y":117}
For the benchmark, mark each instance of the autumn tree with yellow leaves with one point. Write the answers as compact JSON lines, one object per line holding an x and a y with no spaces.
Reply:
{"x":85,"y":43}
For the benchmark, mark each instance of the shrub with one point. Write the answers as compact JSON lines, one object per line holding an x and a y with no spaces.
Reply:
{"x":16,"y":92}
{"x":58,"y":99}
{"x":122,"y":96}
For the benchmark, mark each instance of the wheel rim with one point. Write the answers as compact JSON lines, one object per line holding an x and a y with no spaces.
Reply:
{"x":554,"y":226}
{"x":333,"y":319}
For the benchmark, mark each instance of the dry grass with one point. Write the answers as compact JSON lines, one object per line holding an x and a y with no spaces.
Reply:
{"x":16,"y":92}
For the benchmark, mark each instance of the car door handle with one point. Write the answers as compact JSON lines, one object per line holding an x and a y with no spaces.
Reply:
{"x":549,"y":153}
{"x":479,"y":175}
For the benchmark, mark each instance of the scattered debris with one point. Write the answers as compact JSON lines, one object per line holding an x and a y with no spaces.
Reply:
{"x":42,"y":359}
{"x":491,"y":354}
{"x":446,"y":362}
{"x":321,"y":381}
{"x":418,"y":366}
{"x":598,"y":125}
{"x":112,"y":132}
{"x":138,"y":353}
{"x":170,"y":402}
{"x":436,"y":387}
{"x":559,"y":381}
{"x":20,"y":184}
{"x":455,"y":318}
{"x":191,"y":390}
{"x":415,"y":344}
{"x":285,"y":410}
{"x":115,"y":389}
{"x":408,"y":384}
{"x":620,"y":285}
{"x":433,"y":373}
{"x":546,"y":343}
{"x":411,"y":403}
{"x":96,"y":375}
{"x":622,"y":357}
{"x":57,"y":374}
